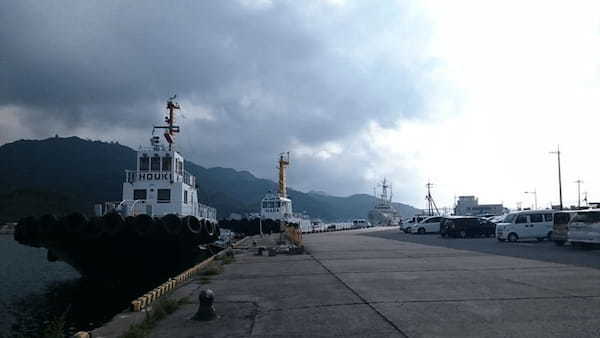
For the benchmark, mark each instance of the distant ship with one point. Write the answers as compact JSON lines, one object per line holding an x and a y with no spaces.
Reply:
{"x":383,"y":214}
{"x":278,"y":206}
{"x":154,"y":232}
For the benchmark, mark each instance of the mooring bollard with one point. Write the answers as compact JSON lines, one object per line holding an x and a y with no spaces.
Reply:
{"x":206,"y":310}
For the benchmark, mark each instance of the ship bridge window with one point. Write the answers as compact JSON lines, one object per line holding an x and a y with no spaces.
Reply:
{"x":155,"y":163}
{"x":144,"y":163}
{"x":166,"y":163}
{"x":163,"y":195}
{"x":139,"y":194}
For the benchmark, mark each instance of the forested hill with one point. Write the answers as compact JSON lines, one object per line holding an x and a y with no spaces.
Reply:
{"x":59,"y":175}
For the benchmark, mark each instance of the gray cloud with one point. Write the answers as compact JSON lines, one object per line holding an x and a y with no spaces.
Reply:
{"x":266,"y":76}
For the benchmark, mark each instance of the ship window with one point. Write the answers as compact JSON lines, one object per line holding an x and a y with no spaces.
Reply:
{"x":155,"y":163}
{"x":166,"y":163}
{"x":139,"y":194}
{"x":185,"y":197}
{"x":163,"y":195}
{"x":144,"y":163}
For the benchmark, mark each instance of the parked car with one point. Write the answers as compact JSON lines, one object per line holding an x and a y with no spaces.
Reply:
{"x":407,"y":226}
{"x":560,"y":226}
{"x":497,"y":219}
{"x":584,"y":228}
{"x":428,"y":225}
{"x":526,"y":225}
{"x":466,"y":226}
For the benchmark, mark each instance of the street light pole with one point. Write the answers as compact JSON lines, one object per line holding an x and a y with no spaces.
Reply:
{"x":557,"y":152}
{"x":534,"y":192}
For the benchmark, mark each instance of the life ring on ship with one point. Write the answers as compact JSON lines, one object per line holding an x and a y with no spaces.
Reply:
{"x":112,"y":223}
{"x":192,"y":224}
{"x":172,"y":224}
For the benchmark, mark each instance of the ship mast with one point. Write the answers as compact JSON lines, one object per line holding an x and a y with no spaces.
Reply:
{"x":170,"y":128}
{"x":385,"y":199}
{"x":284,"y":162}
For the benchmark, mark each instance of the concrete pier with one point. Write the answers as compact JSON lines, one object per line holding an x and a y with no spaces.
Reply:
{"x":354,"y":285}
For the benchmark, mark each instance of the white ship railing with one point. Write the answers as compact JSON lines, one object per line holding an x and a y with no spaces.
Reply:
{"x":204,"y":211}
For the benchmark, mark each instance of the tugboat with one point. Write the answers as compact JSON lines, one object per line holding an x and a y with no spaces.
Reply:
{"x":384,"y":214}
{"x":155,"y":232}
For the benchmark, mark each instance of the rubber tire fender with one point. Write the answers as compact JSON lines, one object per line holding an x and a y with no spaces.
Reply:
{"x":112,"y":224}
{"x":172,"y":224}
{"x":143,"y":225}
{"x":74,"y":223}
{"x":192,"y":224}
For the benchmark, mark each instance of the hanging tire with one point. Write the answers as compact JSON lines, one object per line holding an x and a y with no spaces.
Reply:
{"x":24,"y":231}
{"x":74,"y":223}
{"x":112,"y":224}
{"x":192,"y":224}
{"x":172,"y":224}
{"x":94,"y":228}
{"x":143,"y":225}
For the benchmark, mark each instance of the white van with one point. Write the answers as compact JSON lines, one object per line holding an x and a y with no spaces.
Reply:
{"x":428,"y":225}
{"x":531,"y":224}
{"x":360,"y":223}
{"x":584,"y":228}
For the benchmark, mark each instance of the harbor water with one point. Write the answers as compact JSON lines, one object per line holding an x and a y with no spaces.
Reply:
{"x":36,"y":293}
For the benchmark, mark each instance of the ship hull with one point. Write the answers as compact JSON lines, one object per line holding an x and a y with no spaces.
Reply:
{"x":383,"y":217}
{"x":130,"y":252}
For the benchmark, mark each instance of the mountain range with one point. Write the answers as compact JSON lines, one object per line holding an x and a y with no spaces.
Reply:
{"x":59,"y":175}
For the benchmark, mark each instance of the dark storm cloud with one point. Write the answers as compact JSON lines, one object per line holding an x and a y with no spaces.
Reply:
{"x":267,"y":74}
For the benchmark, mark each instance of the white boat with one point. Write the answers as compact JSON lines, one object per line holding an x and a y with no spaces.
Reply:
{"x":278,"y":206}
{"x":384,"y":214}
{"x":156,"y":231}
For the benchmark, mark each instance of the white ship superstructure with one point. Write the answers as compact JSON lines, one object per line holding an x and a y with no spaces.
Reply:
{"x":279,"y":206}
{"x":160,"y":185}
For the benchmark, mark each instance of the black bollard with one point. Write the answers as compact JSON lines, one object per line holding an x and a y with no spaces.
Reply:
{"x":206,"y":310}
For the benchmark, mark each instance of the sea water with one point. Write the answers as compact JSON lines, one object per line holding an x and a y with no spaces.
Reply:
{"x":27,"y":284}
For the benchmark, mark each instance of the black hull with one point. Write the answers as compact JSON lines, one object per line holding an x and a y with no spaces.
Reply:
{"x":117,"y":251}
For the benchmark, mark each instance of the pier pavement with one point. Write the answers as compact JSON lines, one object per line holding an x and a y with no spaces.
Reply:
{"x":354,"y":284}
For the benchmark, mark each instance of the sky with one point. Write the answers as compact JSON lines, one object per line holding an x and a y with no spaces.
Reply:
{"x":471,"y":96}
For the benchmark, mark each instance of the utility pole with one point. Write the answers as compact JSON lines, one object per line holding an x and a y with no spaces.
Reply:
{"x":557,"y":152}
{"x":430,"y":202}
{"x":534,"y":192}
{"x":579,"y":181}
